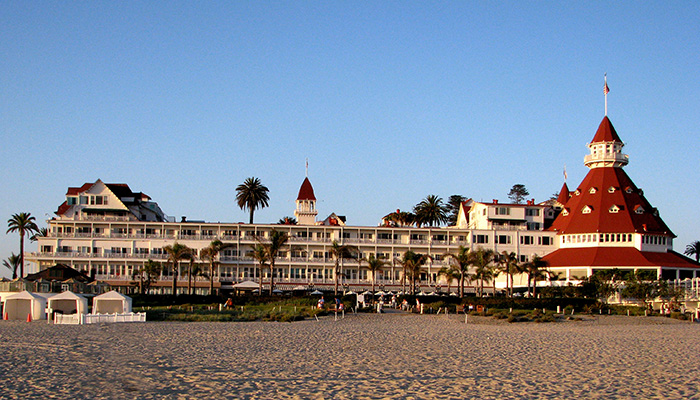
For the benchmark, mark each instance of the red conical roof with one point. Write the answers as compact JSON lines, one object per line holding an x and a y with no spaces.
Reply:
{"x":564,"y":195}
{"x":607,"y":201}
{"x":306,"y":192}
{"x":606,"y":132}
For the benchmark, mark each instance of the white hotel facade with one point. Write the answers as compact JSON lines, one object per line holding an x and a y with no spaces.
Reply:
{"x":108,"y":231}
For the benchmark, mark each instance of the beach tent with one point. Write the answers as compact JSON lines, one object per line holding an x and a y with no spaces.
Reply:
{"x":68,"y":303}
{"x":246,"y":285}
{"x":18,"y":306}
{"x":111,"y":302}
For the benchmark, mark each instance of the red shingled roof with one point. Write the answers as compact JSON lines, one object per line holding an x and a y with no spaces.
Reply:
{"x":606,"y":132}
{"x":73,"y":191}
{"x":612,"y":188}
{"x":306,"y":192}
{"x":62,"y":208}
{"x":615,"y":257}
{"x":564,"y":195}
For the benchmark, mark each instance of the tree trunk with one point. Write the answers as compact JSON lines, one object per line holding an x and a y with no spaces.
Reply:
{"x":337,"y":277}
{"x":211,"y":279}
{"x":175,"y":273}
{"x":272,"y":276}
{"x":260,"y":274}
{"x":189,"y":280}
{"x":21,"y":255}
{"x":252,"y":210}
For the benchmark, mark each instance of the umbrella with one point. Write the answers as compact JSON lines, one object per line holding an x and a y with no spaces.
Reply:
{"x":277,"y":291}
{"x":316,"y":292}
{"x":380,"y":293}
{"x":367,"y":292}
{"x":350,"y":292}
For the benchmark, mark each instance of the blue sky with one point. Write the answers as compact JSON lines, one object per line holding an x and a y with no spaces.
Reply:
{"x":389,"y":101}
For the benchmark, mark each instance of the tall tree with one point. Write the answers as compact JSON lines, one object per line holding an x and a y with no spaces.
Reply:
{"x":252,"y":194}
{"x":481,"y":260}
{"x":287,"y":221}
{"x":537,"y":269}
{"x":508,"y":262}
{"x":461,"y":261}
{"x":260,"y":255}
{"x":454,"y":203}
{"x":192,"y":270}
{"x":147,"y":274}
{"x":431,"y":211}
{"x":24,"y":224}
{"x":693,"y":249}
{"x":338,"y":252}
{"x":412,"y":263}
{"x":41,"y":232}
{"x":272,"y":247}
{"x":518,"y":193}
{"x":176,"y":253}
{"x":450,"y":274}
{"x":374,"y":265}
{"x":210,"y":254}
{"x":12,"y":263}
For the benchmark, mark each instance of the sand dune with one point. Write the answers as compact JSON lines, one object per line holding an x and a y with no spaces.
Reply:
{"x":362,"y":356}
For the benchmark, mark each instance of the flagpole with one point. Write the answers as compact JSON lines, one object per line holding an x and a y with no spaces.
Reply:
{"x":605,"y":91}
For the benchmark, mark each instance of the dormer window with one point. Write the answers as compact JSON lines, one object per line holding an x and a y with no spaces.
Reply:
{"x":565,"y":212}
{"x":577,"y":192}
{"x":611,"y":189}
{"x":628,"y":190}
{"x":593,"y":190}
{"x":614,"y":209}
{"x":639,"y":209}
{"x":587,"y":210}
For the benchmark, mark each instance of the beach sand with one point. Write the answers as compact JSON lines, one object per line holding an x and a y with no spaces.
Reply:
{"x":369,"y":356}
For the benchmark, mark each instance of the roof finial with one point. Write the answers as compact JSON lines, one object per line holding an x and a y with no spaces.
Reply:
{"x":606,"y":90}
{"x":307,"y":167}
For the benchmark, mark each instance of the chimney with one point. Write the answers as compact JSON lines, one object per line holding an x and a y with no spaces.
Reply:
{"x":184,"y":219}
{"x":495,"y":201}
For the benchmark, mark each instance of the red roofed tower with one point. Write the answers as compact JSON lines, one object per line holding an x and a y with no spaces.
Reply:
{"x":306,"y":204}
{"x":608,"y":223}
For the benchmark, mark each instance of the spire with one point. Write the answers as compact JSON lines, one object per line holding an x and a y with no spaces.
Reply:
{"x":307,"y":167}
{"x":606,"y":148}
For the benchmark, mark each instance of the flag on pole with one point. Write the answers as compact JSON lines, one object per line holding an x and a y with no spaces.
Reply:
{"x":565,"y":175}
{"x":606,"y":89}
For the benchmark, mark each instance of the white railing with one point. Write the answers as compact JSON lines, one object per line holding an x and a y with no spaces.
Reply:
{"x":81,"y":319}
{"x":108,"y":318}
{"x":67,"y":319}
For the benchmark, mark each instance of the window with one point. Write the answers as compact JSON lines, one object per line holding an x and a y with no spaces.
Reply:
{"x":502,"y":211}
{"x":503,"y":239}
{"x":533,"y":226}
{"x":481,"y":239}
{"x":614,"y":209}
{"x":592,"y":190}
{"x":587,"y":209}
{"x":523,"y":258}
{"x":526,"y":240}
{"x":611,"y":189}
{"x":639,"y":210}
{"x":346,"y":235}
{"x":547,"y":241}
{"x":532,"y":212}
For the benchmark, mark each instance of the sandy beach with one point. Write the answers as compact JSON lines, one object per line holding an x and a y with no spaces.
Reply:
{"x":391,"y":356}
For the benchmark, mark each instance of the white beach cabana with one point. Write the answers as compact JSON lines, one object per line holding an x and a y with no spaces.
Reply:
{"x":110,"y":303}
{"x":68,"y":303}
{"x":19,"y":306}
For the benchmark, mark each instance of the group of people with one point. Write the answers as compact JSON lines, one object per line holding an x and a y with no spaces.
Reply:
{"x":339,"y":306}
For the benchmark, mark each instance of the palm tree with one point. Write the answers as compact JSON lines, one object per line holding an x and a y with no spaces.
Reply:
{"x":375,"y":265}
{"x":287,"y":221}
{"x":210,"y":253}
{"x":339,"y":251}
{"x":42,"y":232}
{"x":450,"y":274}
{"x":12,"y":263}
{"x":460,"y":262}
{"x":176,"y":252}
{"x":431,"y":210}
{"x":24,"y":224}
{"x":146,"y":274}
{"x":693,"y":249}
{"x":260,"y":255}
{"x":510,"y":266}
{"x":536,"y":270}
{"x":252,"y":194}
{"x":481,"y":260}
{"x":272,"y":248}
{"x":399,"y":218}
{"x":192,"y":270}
{"x":412,"y":263}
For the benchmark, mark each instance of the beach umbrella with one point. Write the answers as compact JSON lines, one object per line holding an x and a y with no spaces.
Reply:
{"x":380,"y":293}
{"x":316,"y":292}
{"x":350,"y":292}
{"x":430,"y":294}
{"x":367,"y":292}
